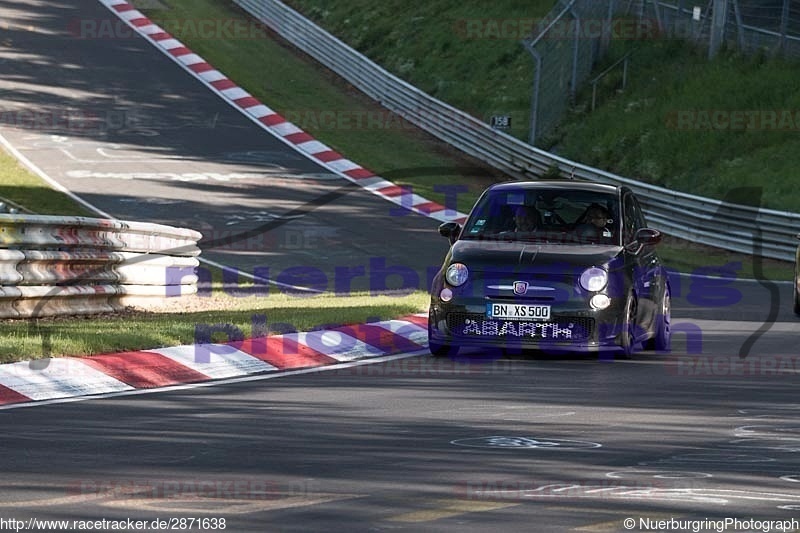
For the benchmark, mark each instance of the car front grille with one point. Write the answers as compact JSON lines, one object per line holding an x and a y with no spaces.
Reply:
{"x":558,"y":329}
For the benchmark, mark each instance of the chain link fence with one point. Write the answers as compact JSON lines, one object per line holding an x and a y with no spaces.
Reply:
{"x":577,"y":33}
{"x":573,"y":36}
{"x":771,"y":27}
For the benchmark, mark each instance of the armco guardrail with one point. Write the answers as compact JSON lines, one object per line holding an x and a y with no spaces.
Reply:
{"x":53,"y":265}
{"x":703,"y":220}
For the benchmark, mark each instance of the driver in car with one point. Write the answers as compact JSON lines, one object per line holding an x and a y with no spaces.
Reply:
{"x":526,"y":218}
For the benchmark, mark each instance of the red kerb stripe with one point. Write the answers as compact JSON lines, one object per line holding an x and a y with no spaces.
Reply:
{"x":299,"y":137}
{"x":180,"y":51}
{"x":429,"y":207}
{"x":393,"y":190}
{"x":360,"y":173}
{"x":247,"y":101}
{"x":283,"y":353}
{"x":144,"y":370}
{"x":272,"y":120}
{"x":11,"y":396}
{"x":421,"y":321}
{"x":160,"y":36}
{"x":222,"y":85}
{"x":201,"y":67}
{"x":328,"y":155}
{"x":385,"y":341}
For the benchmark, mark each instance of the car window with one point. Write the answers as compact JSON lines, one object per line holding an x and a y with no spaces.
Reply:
{"x":633,"y":219}
{"x":640,"y":220}
{"x":560,"y":214}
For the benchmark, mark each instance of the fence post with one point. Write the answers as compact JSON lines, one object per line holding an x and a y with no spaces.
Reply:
{"x":537,"y":78}
{"x":605,"y":41}
{"x":573,"y":87}
{"x":739,"y":29}
{"x":718,"y":18}
{"x":657,"y":10}
{"x":784,"y":25}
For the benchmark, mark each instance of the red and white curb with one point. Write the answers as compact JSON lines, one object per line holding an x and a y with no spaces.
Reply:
{"x":273,"y":122}
{"x":71,"y":377}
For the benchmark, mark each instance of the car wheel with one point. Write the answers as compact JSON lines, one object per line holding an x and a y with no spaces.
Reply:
{"x":796,"y":296}
{"x":439,"y":349}
{"x":662,"y":341}
{"x":627,"y":335}
{"x":442,"y":350}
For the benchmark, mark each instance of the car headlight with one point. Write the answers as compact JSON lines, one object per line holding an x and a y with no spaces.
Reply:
{"x":594,"y":279}
{"x":457,"y":274}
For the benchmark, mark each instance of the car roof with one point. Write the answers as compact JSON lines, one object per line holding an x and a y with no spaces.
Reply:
{"x":557,"y":184}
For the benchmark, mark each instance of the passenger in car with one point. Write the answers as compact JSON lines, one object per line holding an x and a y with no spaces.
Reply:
{"x":594,"y":224}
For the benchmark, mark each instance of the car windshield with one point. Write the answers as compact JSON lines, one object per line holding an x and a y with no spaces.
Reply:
{"x":556,"y":216}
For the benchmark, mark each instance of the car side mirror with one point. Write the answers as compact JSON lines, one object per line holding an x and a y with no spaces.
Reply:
{"x":450,"y":230}
{"x":648,"y":236}
{"x":644,"y":237}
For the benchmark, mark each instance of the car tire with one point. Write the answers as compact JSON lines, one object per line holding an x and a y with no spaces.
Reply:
{"x":662,"y":341}
{"x":627,"y":335}
{"x":442,"y":350}
{"x":796,"y":295}
{"x":439,"y":349}
{"x":797,"y":301}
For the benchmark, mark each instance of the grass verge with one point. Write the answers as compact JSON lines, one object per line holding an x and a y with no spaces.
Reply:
{"x":246,"y":316}
{"x":26,"y":189}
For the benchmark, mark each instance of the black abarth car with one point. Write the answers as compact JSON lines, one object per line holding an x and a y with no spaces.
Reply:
{"x":551,"y":265}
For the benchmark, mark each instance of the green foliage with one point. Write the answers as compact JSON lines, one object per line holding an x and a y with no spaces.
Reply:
{"x":703,"y":127}
{"x":553,"y":173}
{"x":468,"y":53}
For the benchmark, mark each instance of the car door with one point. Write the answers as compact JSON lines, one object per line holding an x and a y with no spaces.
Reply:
{"x":647,"y":278}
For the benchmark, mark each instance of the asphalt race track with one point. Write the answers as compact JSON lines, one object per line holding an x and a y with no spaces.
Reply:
{"x":520,"y":442}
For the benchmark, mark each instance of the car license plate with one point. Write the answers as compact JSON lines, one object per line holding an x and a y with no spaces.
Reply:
{"x":518,"y":311}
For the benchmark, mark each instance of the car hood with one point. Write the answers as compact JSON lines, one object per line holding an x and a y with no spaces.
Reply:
{"x":500,"y":255}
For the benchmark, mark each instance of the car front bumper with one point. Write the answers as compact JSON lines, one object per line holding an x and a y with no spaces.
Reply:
{"x":573,"y":327}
